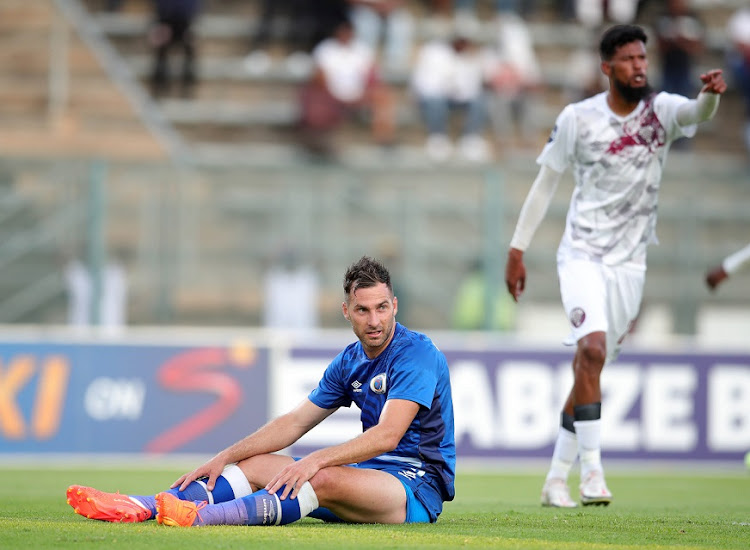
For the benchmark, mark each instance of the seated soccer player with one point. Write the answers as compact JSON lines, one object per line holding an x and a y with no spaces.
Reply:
{"x":399,"y":470}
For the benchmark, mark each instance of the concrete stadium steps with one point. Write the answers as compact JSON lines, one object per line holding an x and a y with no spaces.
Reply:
{"x":224,"y":31}
{"x":237,"y":214}
{"x":67,"y":109}
{"x":270,"y":98}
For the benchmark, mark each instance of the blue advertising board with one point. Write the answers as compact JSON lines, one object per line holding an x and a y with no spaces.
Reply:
{"x":129,"y":398}
{"x":164,"y":398}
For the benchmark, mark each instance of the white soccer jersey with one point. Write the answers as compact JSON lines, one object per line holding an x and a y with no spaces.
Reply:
{"x":347,"y":67}
{"x":617,"y":164}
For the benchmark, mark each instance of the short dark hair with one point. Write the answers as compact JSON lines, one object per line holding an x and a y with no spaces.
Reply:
{"x":617,"y":36}
{"x":366,"y":273}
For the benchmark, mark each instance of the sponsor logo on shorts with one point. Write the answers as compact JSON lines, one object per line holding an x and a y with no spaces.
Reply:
{"x":577,"y":317}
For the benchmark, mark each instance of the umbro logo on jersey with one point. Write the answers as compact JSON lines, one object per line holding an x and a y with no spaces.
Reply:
{"x":357,"y":385}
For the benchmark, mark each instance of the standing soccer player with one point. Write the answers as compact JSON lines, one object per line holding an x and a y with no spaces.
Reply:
{"x":399,"y":470}
{"x":616,"y":142}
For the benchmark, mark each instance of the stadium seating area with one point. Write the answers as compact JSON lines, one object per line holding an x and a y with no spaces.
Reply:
{"x":239,"y":115}
{"x":73,"y":91}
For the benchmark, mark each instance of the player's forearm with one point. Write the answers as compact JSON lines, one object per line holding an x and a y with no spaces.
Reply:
{"x":278,"y":434}
{"x":734,"y":262}
{"x":535,"y":207}
{"x":698,"y":110}
{"x":367,"y":445}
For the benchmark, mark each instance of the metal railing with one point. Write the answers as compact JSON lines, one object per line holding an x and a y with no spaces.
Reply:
{"x":197,"y":244}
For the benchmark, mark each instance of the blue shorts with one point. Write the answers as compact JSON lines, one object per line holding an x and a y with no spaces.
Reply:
{"x":415,"y":510}
{"x":423,"y":501}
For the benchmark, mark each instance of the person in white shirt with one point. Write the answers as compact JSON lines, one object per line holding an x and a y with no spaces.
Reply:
{"x":516,"y":77}
{"x":345,"y":81}
{"x":738,"y":61}
{"x":616,"y":143}
{"x":291,"y":294}
{"x":731,"y":264}
{"x":448,"y":76}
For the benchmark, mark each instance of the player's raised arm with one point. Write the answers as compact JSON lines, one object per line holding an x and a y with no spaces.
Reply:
{"x":703,"y":107}
{"x":713,"y":82}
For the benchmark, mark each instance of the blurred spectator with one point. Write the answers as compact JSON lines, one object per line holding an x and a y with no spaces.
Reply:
{"x":345,"y":82}
{"x":113,"y":294}
{"x":515,"y":78}
{"x":437,"y":17}
{"x":468,"y":16}
{"x":583,"y":76}
{"x":566,"y":10}
{"x":450,"y":76}
{"x":390,"y":20}
{"x":738,"y":31}
{"x":291,"y":294}
{"x":299,"y":25}
{"x":680,"y":36}
{"x":173,"y":27}
{"x":114,"y":5}
{"x":473,"y":296}
{"x":594,"y":13}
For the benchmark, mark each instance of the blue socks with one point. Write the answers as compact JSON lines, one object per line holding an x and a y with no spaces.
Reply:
{"x":260,"y":508}
{"x":231,"y":503}
{"x":223,"y":491}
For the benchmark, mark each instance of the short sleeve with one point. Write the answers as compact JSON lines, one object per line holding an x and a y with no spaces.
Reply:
{"x":561,"y":143}
{"x":666,"y":106}
{"x":330,"y":393}
{"x":414,"y":375}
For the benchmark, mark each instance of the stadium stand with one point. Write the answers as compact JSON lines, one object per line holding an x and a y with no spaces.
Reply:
{"x":200,"y":189}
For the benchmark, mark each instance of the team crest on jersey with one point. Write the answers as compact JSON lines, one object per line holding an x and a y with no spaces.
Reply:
{"x":577,"y":317}
{"x":377,"y":384}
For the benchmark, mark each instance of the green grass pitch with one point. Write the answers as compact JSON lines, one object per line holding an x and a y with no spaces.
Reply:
{"x":653,"y":509}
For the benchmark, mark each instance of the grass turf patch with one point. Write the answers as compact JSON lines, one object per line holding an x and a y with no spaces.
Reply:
{"x":651,"y":510}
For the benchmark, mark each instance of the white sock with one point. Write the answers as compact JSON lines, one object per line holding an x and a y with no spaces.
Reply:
{"x":307,"y":499}
{"x":589,"y":434}
{"x":237,"y":480}
{"x":564,"y":455}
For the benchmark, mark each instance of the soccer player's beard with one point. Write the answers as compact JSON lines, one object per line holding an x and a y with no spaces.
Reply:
{"x":633,"y":94}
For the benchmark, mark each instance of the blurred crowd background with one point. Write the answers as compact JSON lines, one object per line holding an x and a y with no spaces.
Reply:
{"x":220,"y":162}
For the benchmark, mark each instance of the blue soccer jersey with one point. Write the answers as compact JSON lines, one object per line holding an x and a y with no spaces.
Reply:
{"x":410,"y":368}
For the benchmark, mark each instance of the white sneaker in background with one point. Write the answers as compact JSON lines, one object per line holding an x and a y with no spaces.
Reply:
{"x":594,"y":489}
{"x":257,"y":62}
{"x":555,"y":493}
{"x":474,"y":148}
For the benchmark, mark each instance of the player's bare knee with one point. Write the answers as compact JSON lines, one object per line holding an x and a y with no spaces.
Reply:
{"x":592,"y":354}
{"x":323,"y":481}
{"x":249,"y":467}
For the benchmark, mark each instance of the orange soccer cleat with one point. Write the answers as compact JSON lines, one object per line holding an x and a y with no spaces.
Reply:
{"x":95,"y":504}
{"x":173,"y":512}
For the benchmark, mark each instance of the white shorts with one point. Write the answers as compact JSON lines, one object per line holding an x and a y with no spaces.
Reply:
{"x":600,"y":298}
